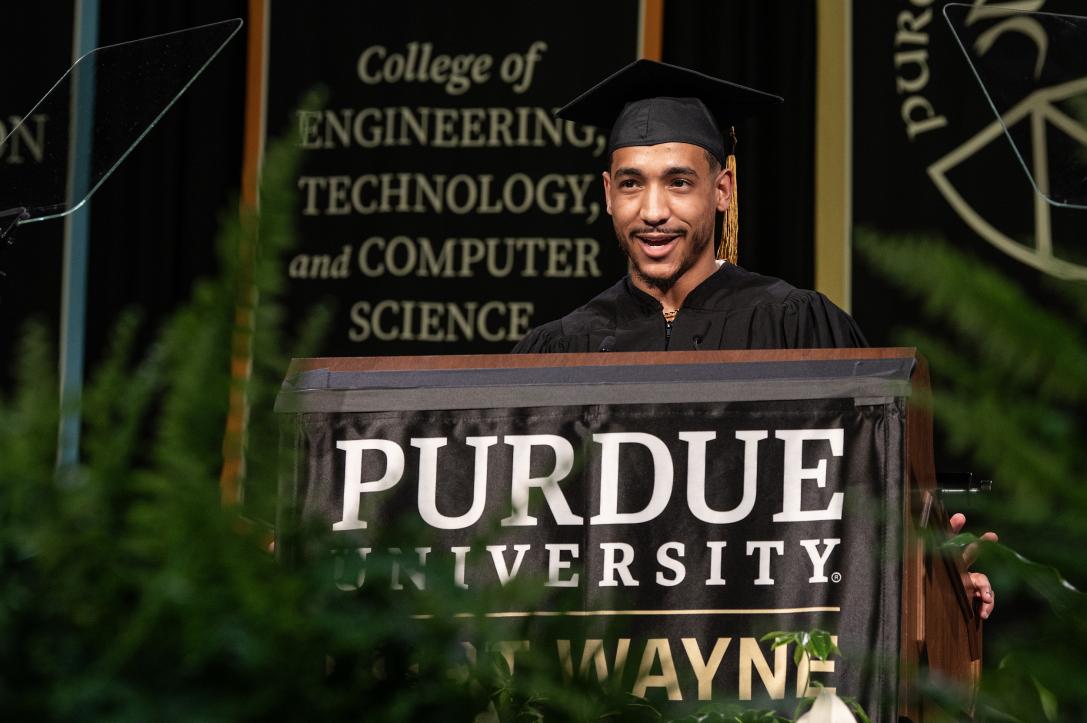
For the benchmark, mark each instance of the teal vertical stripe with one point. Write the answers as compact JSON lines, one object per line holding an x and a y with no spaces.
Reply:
{"x":76,"y":237}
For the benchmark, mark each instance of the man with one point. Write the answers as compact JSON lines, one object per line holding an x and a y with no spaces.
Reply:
{"x":667,"y":179}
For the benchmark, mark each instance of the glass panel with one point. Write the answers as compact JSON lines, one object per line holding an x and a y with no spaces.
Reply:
{"x":1032,"y":68}
{"x":96,"y":114}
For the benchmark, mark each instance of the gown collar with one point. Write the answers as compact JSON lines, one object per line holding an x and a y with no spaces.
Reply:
{"x":697,"y":298}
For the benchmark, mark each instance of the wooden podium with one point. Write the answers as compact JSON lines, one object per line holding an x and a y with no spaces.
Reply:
{"x":861,"y":415}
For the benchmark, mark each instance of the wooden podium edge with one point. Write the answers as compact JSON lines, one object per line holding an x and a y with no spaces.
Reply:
{"x":934,"y":585}
{"x":516,"y":361}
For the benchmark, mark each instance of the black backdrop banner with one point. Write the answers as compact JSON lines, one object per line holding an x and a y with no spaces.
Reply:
{"x":442,"y":206}
{"x":942,"y":163}
{"x":678,"y":511}
{"x":154,"y":222}
{"x":32,"y":265}
{"x":151,"y":239}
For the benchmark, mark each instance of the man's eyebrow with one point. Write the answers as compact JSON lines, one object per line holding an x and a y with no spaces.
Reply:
{"x":633,"y":172}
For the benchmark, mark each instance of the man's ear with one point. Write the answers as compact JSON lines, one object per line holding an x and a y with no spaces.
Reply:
{"x":724,"y":187}
{"x":607,"y":191}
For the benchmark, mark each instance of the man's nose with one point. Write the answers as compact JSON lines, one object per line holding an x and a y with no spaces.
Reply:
{"x":655,"y":211}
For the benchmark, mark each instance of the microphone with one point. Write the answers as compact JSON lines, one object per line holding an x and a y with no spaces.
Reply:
{"x":700,"y":335}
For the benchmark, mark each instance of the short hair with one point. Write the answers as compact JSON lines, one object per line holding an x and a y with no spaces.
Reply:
{"x":715,"y":165}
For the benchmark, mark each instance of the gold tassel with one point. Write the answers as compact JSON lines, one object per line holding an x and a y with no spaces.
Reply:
{"x":729,"y":246}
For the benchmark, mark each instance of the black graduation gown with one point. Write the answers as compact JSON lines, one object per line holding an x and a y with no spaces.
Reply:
{"x":732,"y":309}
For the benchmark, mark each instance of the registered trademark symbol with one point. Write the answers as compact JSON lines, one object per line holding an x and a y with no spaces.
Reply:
{"x":835,"y":577}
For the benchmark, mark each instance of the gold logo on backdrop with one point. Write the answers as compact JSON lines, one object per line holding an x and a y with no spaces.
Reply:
{"x":1038,"y":115}
{"x":1040,"y":111}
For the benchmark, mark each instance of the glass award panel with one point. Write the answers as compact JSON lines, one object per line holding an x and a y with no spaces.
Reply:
{"x":1032,"y":68}
{"x":96,"y":114}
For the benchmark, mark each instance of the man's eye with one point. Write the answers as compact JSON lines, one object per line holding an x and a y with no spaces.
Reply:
{"x":680,"y":182}
{"x":628,"y":183}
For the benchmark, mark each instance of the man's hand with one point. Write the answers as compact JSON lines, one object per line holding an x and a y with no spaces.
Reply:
{"x":982,"y":589}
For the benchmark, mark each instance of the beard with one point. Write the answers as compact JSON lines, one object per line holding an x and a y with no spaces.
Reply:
{"x":699,"y":238}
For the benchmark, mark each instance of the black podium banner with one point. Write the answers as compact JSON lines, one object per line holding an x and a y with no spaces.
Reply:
{"x":685,"y":509}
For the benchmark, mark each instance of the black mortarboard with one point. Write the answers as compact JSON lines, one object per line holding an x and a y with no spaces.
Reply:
{"x":647,"y":103}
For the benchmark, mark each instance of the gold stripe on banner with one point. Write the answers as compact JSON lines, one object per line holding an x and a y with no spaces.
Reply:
{"x":639,"y":613}
{"x":833,"y":150}
{"x":241,"y":345}
{"x":650,"y":28}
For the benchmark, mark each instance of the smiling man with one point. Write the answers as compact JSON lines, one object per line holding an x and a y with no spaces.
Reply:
{"x":667,"y":179}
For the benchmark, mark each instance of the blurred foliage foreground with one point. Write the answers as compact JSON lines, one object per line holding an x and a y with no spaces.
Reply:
{"x":129,"y":594}
{"x":1010,"y":391}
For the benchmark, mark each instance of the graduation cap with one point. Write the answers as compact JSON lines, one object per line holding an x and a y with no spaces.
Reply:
{"x":647,"y":103}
